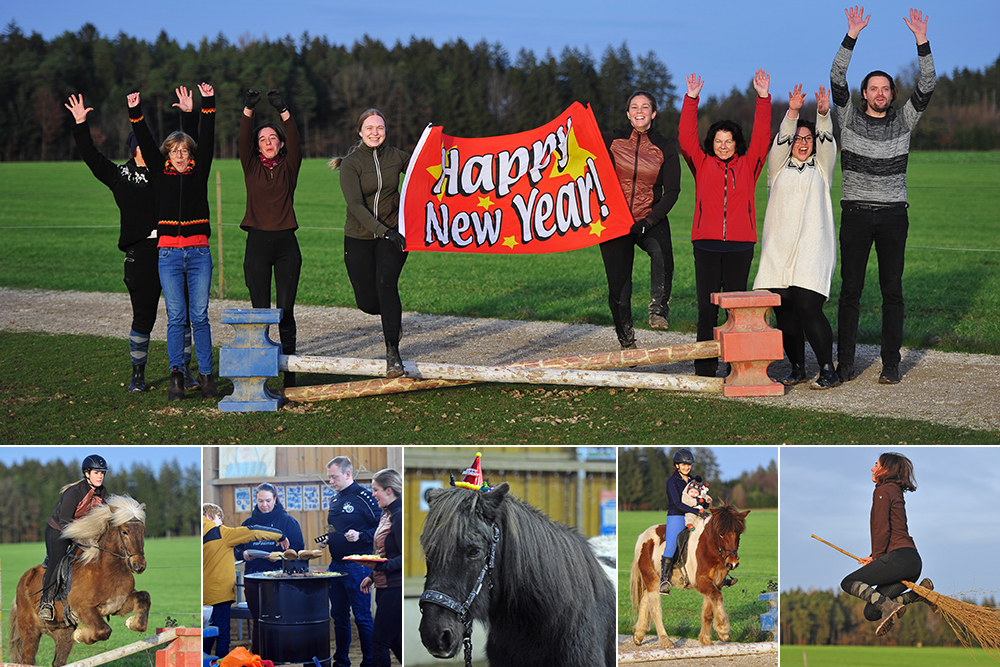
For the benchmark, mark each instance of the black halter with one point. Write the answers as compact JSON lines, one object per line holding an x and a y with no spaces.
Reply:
{"x":125,"y":555}
{"x":462,"y":609}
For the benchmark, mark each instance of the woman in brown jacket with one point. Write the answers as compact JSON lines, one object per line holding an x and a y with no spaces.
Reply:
{"x":894,"y":556}
{"x":374,"y":250}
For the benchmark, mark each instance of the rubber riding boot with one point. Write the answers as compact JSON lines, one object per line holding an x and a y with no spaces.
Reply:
{"x":393,"y":362}
{"x":666,"y":567}
{"x":797,"y":376}
{"x":891,"y":610}
{"x":828,"y":378}
{"x":138,"y":381}
{"x":176,"y":390}
{"x":207,"y":385}
{"x":189,"y":382}
{"x":46,"y":611}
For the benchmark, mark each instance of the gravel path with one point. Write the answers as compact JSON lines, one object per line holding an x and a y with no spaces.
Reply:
{"x":947,"y":388}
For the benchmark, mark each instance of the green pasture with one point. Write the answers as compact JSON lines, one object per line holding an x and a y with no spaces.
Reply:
{"x":71,"y":389}
{"x":882,"y":656}
{"x":58,"y":230}
{"x":682,"y":608}
{"x":172,"y":577}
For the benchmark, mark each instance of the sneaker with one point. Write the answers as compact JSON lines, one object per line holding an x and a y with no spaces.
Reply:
{"x":797,"y":376}
{"x":846,"y":372}
{"x":890,"y":374}
{"x":827,"y":379}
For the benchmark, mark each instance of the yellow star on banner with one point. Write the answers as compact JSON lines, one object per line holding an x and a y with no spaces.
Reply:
{"x":435,"y":171}
{"x":597,"y":227}
{"x":577,"y":164}
{"x":485,"y":202}
{"x":510,"y":242}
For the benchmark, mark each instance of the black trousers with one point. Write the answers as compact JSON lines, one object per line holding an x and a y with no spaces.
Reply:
{"x":619,"y":255}
{"x":276,"y":252}
{"x":374,"y":267}
{"x":387,"y":632}
{"x":55,"y":548}
{"x":716,"y":272}
{"x":886,"y":574}
{"x":142,"y":279}
{"x":800,"y":316}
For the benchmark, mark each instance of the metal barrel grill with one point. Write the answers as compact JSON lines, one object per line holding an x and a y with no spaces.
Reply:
{"x":294,"y":614}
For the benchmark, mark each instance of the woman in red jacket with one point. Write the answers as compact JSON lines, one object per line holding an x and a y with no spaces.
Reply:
{"x":725,"y":173}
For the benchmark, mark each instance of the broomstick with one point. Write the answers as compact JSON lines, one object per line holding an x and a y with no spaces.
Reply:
{"x":971,"y":623}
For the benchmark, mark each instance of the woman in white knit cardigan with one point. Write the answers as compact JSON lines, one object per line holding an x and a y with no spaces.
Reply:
{"x":798,"y":247}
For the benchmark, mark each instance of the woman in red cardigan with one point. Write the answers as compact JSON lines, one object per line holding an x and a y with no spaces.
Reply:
{"x":725,"y":173}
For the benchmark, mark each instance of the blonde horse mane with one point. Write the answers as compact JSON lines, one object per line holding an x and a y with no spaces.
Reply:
{"x":88,"y":529}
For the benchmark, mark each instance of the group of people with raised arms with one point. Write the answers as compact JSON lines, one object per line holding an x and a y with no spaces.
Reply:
{"x":797,"y":259}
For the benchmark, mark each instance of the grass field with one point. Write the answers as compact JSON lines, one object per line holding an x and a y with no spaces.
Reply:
{"x":682,"y":608}
{"x":172,"y":577}
{"x":69,"y":389}
{"x":58,"y":230}
{"x":881,"y":656}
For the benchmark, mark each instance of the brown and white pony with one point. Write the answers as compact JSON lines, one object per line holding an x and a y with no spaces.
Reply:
{"x":711,"y":554}
{"x":112,"y":539}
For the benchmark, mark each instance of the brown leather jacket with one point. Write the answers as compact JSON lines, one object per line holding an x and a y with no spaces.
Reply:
{"x":76,"y":501}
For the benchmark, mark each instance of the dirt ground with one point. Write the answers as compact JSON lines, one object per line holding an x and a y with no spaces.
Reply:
{"x":948,"y":388}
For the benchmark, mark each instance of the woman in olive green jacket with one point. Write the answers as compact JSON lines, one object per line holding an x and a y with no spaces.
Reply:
{"x":374,"y":250}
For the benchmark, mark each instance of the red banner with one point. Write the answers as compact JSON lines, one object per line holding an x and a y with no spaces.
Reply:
{"x":546,"y":190}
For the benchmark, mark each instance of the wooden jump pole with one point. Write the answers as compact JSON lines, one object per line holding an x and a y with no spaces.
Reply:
{"x":430,"y":376}
{"x":129,"y":649}
{"x":657,"y":655}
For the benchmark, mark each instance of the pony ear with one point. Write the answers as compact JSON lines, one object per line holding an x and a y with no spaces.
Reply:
{"x":111,"y":508}
{"x":744,"y":514}
{"x":495,"y":497}
{"x":142,"y":506}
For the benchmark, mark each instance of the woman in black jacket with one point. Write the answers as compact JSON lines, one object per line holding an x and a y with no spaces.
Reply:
{"x":387,"y":633}
{"x":649,"y":172}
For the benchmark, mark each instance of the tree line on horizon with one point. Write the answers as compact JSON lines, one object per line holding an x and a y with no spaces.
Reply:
{"x":29,"y":491}
{"x":472,"y":90}
{"x":643,"y":473}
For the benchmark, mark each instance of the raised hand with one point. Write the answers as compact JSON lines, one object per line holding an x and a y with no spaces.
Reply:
{"x":206,"y":90}
{"x":251,"y":98}
{"x":694,"y":85}
{"x":796,"y":98}
{"x":77,"y":108}
{"x":133,"y":100}
{"x":822,"y":101}
{"x":274,"y":98}
{"x":856,"y":20}
{"x":761,"y":82}
{"x":917,"y":23}
{"x":185,"y":99}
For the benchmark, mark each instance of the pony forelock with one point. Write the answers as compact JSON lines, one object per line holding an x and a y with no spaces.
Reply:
{"x":729,"y":519}
{"x":88,"y":529}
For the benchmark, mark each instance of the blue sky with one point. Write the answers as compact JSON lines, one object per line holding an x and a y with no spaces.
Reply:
{"x":827,"y":491}
{"x":118,"y":457}
{"x":722,"y":41}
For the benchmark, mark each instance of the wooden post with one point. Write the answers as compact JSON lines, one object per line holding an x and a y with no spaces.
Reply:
{"x":218,"y":217}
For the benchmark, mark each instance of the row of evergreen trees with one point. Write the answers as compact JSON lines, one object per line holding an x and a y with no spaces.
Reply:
{"x":643,"y":473}
{"x":475,"y":90}
{"x":30,"y":490}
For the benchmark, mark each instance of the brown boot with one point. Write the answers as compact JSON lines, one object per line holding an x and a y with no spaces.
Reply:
{"x":891,"y":610}
{"x":207,"y":385}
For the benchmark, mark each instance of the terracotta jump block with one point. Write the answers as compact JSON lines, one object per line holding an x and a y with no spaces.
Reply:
{"x":185,"y":651}
{"x":749,"y":345}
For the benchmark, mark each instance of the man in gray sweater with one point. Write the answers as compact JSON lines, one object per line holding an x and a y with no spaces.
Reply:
{"x":875,"y":144}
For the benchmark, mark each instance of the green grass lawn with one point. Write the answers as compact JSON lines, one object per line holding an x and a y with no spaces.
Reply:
{"x":58,"y":230}
{"x":881,"y":656}
{"x":70,"y":389}
{"x":172,"y":577}
{"x":682,"y":608}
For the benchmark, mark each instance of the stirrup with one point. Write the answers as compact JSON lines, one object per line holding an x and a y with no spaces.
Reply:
{"x":46,"y":611}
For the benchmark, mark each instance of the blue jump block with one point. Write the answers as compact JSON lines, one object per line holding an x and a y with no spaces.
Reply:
{"x":769,"y":620}
{"x":250,"y":360}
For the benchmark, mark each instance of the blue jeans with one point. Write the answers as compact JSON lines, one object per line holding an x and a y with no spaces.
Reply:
{"x":221,"y":615}
{"x":346,"y":596}
{"x":859,"y":229}
{"x":192,"y":267}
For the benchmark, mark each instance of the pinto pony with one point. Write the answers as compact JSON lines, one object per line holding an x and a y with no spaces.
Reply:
{"x":111,"y":550}
{"x":711,"y":554}
{"x":535,"y":583}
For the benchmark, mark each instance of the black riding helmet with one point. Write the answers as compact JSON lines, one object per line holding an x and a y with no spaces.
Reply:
{"x":683,"y":456}
{"x":94,"y":462}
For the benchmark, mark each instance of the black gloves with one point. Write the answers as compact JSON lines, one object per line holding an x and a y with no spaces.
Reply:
{"x":640,"y":228}
{"x":274,"y":97}
{"x":251,"y":98}
{"x":397,"y":238}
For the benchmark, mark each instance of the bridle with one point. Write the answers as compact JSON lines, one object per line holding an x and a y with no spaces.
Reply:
{"x":124,"y":555}
{"x":462,"y":609}
{"x":723,"y":552}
